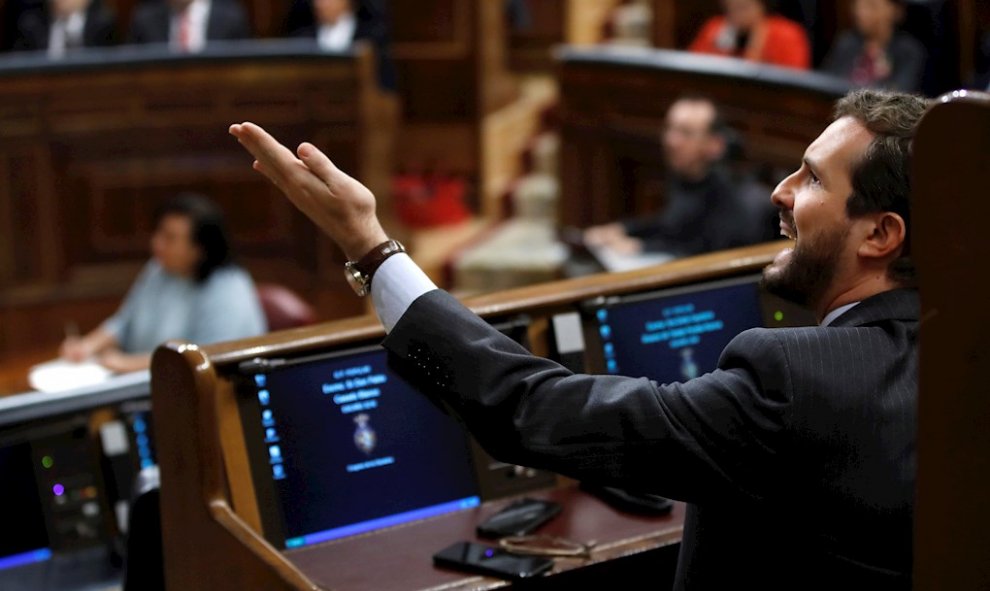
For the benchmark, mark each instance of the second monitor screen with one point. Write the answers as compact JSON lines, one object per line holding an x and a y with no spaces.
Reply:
{"x":677,"y":335}
{"x":352,"y":447}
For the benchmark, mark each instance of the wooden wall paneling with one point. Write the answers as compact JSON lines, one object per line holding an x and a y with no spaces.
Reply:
{"x":31,"y":218}
{"x":498,"y":86}
{"x":451,"y":61}
{"x":952,"y":518}
{"x":530,"y":46}
{"x":586,"y":20}
{"x":90,"y":153}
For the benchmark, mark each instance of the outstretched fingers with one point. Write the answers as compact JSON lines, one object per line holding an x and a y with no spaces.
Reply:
{"x":274,"y":160}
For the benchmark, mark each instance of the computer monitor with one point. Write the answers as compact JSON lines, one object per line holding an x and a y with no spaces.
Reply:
{"x":24,"y":536}
{"x":340,"y":445}
{"x":678,"y":334}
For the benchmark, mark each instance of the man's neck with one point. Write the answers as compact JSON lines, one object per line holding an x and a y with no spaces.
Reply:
{"x":856,"y":291}
{"x":694,"y":176}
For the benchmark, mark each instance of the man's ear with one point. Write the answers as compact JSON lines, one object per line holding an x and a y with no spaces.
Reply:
{"x":887,"y":233}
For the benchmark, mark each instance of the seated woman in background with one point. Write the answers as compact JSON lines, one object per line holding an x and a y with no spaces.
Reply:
{"x":749,"y":31}
{"x":876,"y":53}
{"x":189,"y":290}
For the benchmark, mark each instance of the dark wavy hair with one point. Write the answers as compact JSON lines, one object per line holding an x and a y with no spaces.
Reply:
{"x":881,"y":178}
{"x":208,"y":230}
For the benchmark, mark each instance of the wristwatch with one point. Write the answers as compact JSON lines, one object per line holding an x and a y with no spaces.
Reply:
{"x":359,"y":274}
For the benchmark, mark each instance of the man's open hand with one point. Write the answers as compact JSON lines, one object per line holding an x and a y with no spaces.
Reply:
{"x":337,"y":203}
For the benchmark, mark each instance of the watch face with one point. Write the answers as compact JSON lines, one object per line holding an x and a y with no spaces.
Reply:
{"x":357,"y":280}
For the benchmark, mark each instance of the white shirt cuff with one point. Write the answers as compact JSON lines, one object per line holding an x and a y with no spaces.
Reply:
{"x":395,"y":286}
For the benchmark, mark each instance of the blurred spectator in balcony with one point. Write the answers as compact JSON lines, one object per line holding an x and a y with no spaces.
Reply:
{"x":876,"y":53}
{"x":61,"y":26}
{"x":750,"y":31}
{"x":337,"y":24}
{"x":187,"y":26}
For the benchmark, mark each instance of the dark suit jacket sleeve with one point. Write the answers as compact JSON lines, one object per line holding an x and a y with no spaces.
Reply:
{"x":710,"y":438}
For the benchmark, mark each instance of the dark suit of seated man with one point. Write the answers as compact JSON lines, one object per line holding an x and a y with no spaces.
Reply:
{"x":189,"y":25}
{"x":797,"y":455}
{"x":66,"y":25}
{"x":336,"y":24}
{"x":705,"y":207}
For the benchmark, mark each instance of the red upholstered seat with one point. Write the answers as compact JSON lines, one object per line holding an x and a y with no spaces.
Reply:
{"x":283,"y":307}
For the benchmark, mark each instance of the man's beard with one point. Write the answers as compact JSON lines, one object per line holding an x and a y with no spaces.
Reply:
{"x":805,"y":278}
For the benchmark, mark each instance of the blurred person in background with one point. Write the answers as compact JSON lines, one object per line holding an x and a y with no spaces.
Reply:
{"x":187,"y":26}
{"x":189,"y":290}
{"x":706,"y":208}
{"x":336,"y":24}
{"x":875,"y":53}
{"x":62,"y":26}
{"x":750,"y":31}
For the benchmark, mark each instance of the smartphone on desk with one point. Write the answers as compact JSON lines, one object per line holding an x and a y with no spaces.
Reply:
{"x":486,"y":560}
{"x":518,"y":519}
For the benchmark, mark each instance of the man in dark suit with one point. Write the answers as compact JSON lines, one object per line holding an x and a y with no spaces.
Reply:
{"x":62,"y":26}
{"x":797,"y":455}
{"x":188,"y":25}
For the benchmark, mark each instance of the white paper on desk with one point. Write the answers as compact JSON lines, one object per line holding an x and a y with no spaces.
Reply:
{"x":59,"y":375}
{"x":615,"y":262}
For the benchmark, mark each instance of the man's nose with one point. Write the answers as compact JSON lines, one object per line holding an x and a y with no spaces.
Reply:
{"x":783,"y":195}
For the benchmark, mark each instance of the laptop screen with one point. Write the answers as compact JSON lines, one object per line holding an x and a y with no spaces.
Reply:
{"x":678,"y":334}
{"x":348,"y":447}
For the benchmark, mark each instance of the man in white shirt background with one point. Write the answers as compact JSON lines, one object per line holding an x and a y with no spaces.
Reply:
{"x":336,"y":24}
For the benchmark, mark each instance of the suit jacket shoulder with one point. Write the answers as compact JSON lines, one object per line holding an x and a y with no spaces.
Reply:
{"x":32,"y":31}
{"x":101,"y":27}
{"x":150,"y":23}
{"x":228,"y":21}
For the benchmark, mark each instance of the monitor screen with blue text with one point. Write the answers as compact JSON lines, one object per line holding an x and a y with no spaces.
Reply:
{"x":348,"y":447}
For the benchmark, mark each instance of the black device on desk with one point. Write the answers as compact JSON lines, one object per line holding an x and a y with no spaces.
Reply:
{"x":486,"y":560}
{"x":519,"y":518}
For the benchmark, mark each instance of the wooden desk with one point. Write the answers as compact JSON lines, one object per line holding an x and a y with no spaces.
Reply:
{"x":208,"y":494}
{"x":401,"y":557}
{"x":14,"y":370}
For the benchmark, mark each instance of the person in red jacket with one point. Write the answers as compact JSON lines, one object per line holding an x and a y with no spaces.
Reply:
{"x":747,"y":30}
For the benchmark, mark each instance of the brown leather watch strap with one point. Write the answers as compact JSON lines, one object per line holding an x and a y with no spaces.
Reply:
{"x":370,"y":262}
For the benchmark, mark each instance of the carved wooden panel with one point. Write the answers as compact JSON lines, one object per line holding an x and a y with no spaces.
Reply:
{"x":88,"y":154}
